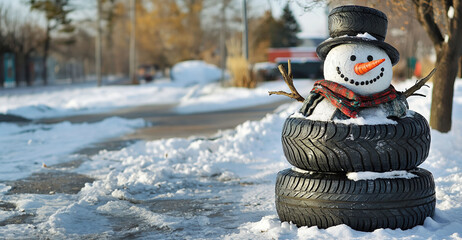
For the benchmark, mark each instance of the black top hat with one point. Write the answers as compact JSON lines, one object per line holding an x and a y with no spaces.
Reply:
{"x":353,"y":24}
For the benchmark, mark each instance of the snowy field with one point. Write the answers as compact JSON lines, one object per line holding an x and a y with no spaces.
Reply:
{"x":195,"y":188}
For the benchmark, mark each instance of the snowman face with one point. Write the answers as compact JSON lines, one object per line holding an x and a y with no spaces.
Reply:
{"x":363,"y":68}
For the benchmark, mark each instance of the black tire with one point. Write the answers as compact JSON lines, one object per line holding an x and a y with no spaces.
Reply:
{"x":332,"y":147}
{"x":325,"y":200}
{"x":351,"y":20}
{"x":346,"y":22}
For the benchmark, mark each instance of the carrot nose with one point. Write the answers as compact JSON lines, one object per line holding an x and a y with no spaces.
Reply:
{"x":362,"y":68}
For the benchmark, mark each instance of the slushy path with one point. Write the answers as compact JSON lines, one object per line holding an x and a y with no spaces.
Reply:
{"x":166,"y":123}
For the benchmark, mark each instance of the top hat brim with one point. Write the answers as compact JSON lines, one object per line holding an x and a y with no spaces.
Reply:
{"x":323,"y":49}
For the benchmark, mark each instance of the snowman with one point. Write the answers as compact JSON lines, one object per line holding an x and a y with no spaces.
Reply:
{"x":358,"y":74}
{"x":357,"y":68}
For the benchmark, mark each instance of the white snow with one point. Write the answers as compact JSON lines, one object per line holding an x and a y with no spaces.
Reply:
{"x":220,"y":188}
{"x":296,"y":169}
{"x":25,"y":148}
{"x":366,"y":35}
{"x":451,"y":12}
{"x":194,"y":72}
{"x":357,"y":176}
{"x":264,"y":66}
{"x":372,"y":116}
{"x":66,"y":101}
{"x":212,"y":98}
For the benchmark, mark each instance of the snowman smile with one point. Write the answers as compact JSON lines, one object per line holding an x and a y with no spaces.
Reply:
{"x":357,"y":83}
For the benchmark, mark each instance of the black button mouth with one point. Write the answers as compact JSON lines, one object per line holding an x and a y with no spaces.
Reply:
{"x":362,"y":83}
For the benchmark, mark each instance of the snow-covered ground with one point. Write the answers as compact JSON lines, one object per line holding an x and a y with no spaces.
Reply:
{"x":27,"y":147}
{"x":69,"y":100}
{"x":195,"y":188}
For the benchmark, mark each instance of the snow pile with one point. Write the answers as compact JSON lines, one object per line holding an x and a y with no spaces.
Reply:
{"x":26,"y":147}
{"x":194,"y":72}
{"x":371,"y":116}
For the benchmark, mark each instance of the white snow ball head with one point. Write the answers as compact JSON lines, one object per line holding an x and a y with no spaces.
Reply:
{"x":363,"y":68}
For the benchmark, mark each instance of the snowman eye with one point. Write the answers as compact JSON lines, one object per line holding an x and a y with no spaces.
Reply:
{"x":353,"y":57}
{"x":370,"y":58}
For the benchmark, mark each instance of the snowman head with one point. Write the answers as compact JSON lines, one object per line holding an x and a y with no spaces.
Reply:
{"x":363,"y":68}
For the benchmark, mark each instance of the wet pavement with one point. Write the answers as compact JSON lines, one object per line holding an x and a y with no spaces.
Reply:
{"x":50,"y":182}
{"x":164,"y":122}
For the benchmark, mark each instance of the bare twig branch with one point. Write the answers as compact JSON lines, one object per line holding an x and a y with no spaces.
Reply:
{"x":418,"y":85}
{"x":418,"y":94}
{"x":288,"y":78}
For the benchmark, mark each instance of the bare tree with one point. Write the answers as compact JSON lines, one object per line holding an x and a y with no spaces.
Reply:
{"x":56,"y":12}
{"x":27,"y":41}
{"x":446,"y":36}
{"x":442,"y":21}
{"x":22,"y":37}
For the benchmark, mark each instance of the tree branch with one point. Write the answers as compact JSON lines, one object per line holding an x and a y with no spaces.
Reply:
{"x":418,"y":85}
{"x":425,"y":15}
{"x":288,"y":78}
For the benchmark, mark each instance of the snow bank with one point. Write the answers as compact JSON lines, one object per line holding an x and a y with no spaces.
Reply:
{"x":74,"y":100}
{"x":194,"y":72}
{"x":212,"y":98}
{"x":26,"y":147}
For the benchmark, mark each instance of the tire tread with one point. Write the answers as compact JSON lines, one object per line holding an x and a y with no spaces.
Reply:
{"x":332,"y":147}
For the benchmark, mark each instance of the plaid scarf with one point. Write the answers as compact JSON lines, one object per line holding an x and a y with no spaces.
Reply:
{"x":349,"y":102}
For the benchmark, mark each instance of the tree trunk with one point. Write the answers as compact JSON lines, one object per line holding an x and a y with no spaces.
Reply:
{"x":443,"y":89}
{"x":20,"y":68}
{"x":29,"y":70}
{"x":45,"y":54}
{"x":460,"y":67}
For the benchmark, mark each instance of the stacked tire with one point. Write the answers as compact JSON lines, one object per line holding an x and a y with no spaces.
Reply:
{"x":317,"y":191}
